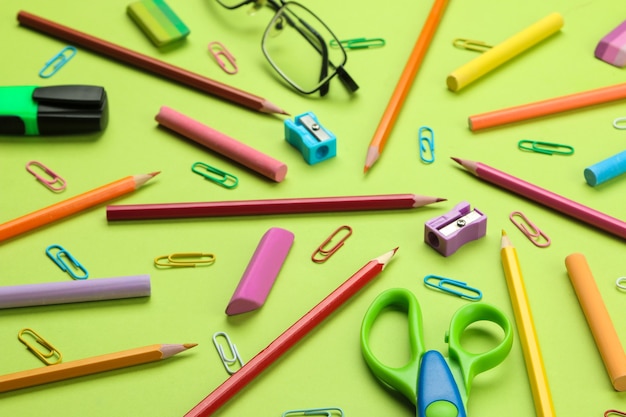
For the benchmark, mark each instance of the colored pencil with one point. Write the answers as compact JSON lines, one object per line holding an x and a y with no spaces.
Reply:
{"x":503,"y":52}
{"x":74,"y":291}
{"x":267,"y":207}
{"x":290,"y":337}
{"x":547,"y":198}
{"x":598,"y":318}
{"x":89,"y":366}
{"x":547,"y":107}
{"x":403,"y":86}
{"x":146,"y":63}
{"x":72,"y":205}
{"x":526,"y":329}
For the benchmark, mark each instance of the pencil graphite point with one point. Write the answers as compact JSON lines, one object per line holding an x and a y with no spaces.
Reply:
{"x":189,"y":345}
{"x":154,"y":174}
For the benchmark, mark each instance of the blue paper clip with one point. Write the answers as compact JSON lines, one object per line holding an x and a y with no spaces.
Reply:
{"x":70,"y":267}
{"x":427,"y":144}
{"x":306,"y":134}
{"x":447,"y":285}
{"x":222,"y":178}
{"x":56,"y":62}
{"x":327,"y":412}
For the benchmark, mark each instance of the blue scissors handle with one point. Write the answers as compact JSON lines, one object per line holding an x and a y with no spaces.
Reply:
{"x":404,"y":378}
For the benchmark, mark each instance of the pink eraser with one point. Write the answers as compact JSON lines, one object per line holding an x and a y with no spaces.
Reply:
{"x":222,"y":144}
{"x":612,"y":48}
{"x":261,"y":272}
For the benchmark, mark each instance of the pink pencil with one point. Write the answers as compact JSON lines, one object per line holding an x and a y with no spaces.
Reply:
{"x":547,"y":198}
{"x":290,"y":337}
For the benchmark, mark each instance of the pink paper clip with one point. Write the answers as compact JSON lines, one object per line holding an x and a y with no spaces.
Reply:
{"x":48,"y":182}
{"x":528,"y":228}
{"x":218,"y":51}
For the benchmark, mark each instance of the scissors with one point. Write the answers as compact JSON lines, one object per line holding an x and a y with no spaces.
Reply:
{"x":438,"y":386}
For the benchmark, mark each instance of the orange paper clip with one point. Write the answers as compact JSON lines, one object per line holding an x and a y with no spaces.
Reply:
{"x":54,"y":182}
{"x":528,"y":228}
{"x":327,"y":253}
{"x":219,"y":51}
{"x":609,"y":413}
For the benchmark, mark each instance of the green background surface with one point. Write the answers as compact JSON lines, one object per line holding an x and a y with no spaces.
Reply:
{"x":187,"y":305}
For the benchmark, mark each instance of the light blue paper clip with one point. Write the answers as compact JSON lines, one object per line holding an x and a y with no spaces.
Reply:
{"x":70,"y":267}
{"x":448,"y":285}
{"x":426,"y":138}
{"x":306,"y":134}
{"x":57,"y":61}
{"x":327,"y":412}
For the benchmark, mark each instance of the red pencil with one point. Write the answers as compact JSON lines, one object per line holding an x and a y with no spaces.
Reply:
{"x":260,"y":207}
{"x":290,"y":337}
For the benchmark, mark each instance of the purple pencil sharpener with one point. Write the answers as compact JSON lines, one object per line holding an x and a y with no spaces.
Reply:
{"x":447,"y":233}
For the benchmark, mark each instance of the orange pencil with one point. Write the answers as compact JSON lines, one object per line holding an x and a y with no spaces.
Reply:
{"x":547,"y":107}
{"x":89,"y":366}
{"x":404,"y":84}
{"x":72,"y":205}
{"x":598,"y":318}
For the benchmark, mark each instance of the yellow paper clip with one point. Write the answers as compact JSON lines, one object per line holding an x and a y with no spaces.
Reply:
{"x":547,"y":148}
{"x":447,"y":285}
{"x":52,"y":179}
{"x":185,"y":259}
{"x":227,"y":361}
{"x":327,"y":412}
{"x":426,"y":138}
{"x":528,"y":228}
{"x":219,"y":51}
{"x":49,"y":356}
{"x":471,"y":45}
{"x":57,"y":61}
{"x":71,"y":266}
{"x":327,"y":253}
{"x":358,"y":43}
{"x":215,"y":175}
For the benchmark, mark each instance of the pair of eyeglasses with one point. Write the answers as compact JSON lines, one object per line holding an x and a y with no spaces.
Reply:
{"x":296,"y":44}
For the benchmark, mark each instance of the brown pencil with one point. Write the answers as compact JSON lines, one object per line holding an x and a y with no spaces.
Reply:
{"x":146,"y":63}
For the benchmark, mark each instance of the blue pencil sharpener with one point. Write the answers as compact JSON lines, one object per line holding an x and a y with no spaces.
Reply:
{"x":306,"y":134}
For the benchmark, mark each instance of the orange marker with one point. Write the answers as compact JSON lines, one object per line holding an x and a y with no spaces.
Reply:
{"x":547,"y":107}
{"x":598,"y":318}
{"x":72,"y":205}
{"x":404,"y":84}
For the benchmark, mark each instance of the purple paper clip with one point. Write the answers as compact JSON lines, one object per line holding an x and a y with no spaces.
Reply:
{"x":447,"y":233}
{"x":52,"y":179}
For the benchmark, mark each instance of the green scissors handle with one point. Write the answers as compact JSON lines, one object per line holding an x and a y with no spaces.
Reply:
{"x":405,"y":378}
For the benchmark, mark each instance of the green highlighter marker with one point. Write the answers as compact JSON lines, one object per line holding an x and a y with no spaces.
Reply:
{"x":54,"y":110}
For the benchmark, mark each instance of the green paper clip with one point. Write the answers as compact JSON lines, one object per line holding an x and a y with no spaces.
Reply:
{"x":222,"y":178}
{"x":445,"y":284}
{"x":545,"y":147}
{"x":358,"y":43}
{"x":327,"y":412}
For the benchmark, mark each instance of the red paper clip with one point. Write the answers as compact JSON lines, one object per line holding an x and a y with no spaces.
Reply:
{"x":48,"y":182}
{"x":532,"y":232}
{"x":327,"y":253}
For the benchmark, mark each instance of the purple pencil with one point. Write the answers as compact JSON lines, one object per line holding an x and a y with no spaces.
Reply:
{"x":547,"y":198}
{"x":74,"y":291}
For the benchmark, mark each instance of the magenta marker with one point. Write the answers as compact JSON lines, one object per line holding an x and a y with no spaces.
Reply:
{"x":259,"y":277}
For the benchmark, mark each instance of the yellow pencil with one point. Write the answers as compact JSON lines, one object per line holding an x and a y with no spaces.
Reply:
{"x":88,"y":366}
{"x":504,"y":51}
{"x":526,"y":329}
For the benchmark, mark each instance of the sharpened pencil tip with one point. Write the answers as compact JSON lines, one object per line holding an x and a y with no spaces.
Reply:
{"x":503,"y":233}
{"x":457,"y":160}
{"x":189,"y":345}
{"x":154,"y":174}
{"x":440,"y":199}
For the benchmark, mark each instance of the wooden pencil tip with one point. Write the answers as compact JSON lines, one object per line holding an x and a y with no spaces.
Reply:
{"x":189,"y":345}
{"x":457,"y":160}
{"x":440,"y":199}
